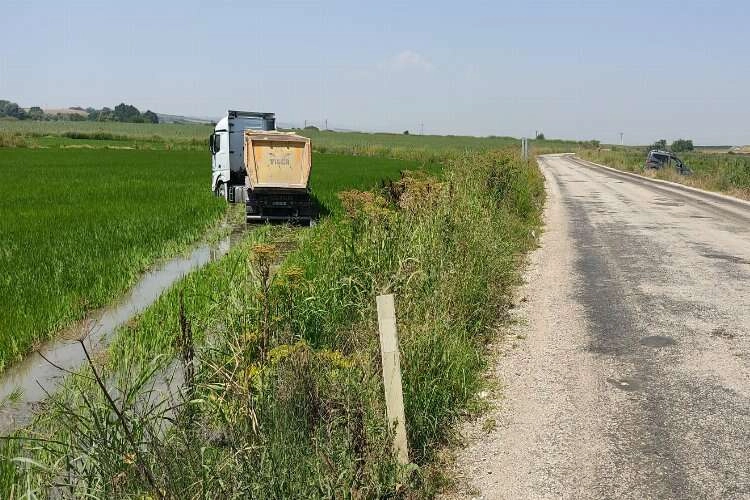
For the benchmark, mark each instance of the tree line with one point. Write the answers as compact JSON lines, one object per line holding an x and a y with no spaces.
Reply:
{"x":678,"y":146}
{"x":121,"y":113}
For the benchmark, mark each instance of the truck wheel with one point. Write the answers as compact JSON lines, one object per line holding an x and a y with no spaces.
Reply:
{"x":221,"y":190}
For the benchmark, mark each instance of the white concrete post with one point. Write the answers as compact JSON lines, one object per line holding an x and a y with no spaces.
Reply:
{"x":394,"y":396}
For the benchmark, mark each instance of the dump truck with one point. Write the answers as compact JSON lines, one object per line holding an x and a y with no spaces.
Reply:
{"x":267,"y":170}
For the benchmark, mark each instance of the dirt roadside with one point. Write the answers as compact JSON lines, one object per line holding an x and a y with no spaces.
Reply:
{"x":626,"y":373}
{"x":524,"y":443}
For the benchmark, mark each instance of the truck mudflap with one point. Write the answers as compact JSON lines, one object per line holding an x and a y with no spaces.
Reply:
{"x":267,"y":207}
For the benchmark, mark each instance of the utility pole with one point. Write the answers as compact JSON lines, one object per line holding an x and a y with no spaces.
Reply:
{"x":621,"y":141}
{"x":305,"y":124}
{"x":326,"y":125}
{"x":421,"y":128}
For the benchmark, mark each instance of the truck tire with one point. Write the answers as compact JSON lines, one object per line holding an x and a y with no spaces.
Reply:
{"x":221,"y":190}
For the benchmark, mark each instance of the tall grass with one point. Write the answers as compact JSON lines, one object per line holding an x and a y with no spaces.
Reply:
{"x":287,"y":400}
{"x":332,"y":173}
{"x":12,"y":140}
{"x":712,"y":171}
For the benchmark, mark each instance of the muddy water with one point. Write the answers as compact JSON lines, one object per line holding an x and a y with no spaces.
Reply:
{"x":36,"y":377}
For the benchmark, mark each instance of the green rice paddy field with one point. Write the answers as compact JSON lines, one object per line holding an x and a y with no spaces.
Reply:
{"x":78,"y":225}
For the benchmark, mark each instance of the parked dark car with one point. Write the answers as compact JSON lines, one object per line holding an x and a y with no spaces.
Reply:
{"x":660,"y":159}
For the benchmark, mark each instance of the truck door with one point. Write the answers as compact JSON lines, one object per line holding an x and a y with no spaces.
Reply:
{"x":236,"y":139}
{"x":219,"y":146}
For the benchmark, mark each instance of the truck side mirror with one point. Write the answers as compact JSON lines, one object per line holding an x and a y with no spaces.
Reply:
{"x":211,"y":143}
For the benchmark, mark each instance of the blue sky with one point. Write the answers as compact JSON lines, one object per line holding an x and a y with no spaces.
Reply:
{"x":580,"y":70}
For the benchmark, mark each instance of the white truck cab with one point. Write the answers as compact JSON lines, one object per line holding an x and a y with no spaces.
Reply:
{"x":227,"y":145}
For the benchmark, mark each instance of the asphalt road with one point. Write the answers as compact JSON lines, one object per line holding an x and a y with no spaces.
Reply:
{"x":629,"y":372}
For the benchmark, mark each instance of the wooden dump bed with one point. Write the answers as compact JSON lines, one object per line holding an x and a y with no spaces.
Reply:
{"x":277,"y":160}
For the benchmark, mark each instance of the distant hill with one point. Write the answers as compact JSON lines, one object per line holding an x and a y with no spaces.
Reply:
{"x":164,"y":118}
{"x":63,"y":111}
{"x":740,"y":150}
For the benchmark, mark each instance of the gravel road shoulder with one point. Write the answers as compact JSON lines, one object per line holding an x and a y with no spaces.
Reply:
{"x":625,"y":374}
{"x":527,"y":441}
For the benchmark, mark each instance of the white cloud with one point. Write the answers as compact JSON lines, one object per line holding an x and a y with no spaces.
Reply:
{"x":408,"y":60}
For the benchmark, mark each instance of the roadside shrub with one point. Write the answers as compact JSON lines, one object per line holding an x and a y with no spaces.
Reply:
{"x":95,"y":136}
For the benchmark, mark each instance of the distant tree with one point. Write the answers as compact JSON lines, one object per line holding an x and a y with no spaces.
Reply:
{"x":312,"y":127}
{"x":406,"y":132}
{"x":122,"y":113}
{"x":660,"y":144}
{"x":127,"y":113}
{"x":539,"y":136}
{"x":105,"y":115}
{"x":681,"y":145}
{"x":150,"y":117}
{"x":11,"y":110}
{"x":35,"y":113}
{"x":595,"y":143}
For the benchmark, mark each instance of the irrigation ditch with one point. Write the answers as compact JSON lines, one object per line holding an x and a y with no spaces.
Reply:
{"x":26,"y":384}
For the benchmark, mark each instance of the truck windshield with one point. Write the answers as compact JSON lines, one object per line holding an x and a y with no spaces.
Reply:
{"x":251,"y":123}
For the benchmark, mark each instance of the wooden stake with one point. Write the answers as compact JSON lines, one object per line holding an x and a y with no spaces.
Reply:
{"x":394,"y":396}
